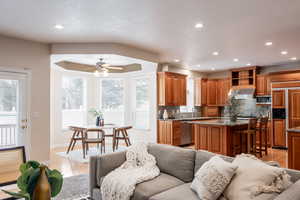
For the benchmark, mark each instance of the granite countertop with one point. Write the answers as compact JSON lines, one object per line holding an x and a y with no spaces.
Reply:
{"x":221,"y":122}
{"x":296,"y":129}
{"x":189,"y":118}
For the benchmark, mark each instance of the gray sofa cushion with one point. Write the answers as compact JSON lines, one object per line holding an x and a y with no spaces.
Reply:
{"x":203,"y":156}
{"x":292,"y":193}
{"x":181,"y":192}
{"x":163,"y":182}
{"x":107,"y":163}
{"x":175,"y":161}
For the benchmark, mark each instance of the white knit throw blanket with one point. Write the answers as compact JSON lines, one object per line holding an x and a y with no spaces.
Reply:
{"x":139,"y":166}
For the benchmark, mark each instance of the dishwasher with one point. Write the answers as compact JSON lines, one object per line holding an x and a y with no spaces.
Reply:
{"x":186,"y":130}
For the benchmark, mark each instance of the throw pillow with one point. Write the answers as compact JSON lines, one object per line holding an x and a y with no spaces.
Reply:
{"x":212,"y":178}
{"x":254,"y":177}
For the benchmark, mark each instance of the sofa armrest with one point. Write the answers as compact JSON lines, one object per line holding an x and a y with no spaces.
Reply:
{"x":292,"y":193}
{"x":102,"y":165}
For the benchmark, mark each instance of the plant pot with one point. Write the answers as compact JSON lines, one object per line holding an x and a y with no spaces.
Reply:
{"x":42,"y":190}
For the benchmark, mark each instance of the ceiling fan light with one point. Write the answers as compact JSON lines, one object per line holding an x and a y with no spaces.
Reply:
{"x":105,"y":73}
{"x":96,"y":73}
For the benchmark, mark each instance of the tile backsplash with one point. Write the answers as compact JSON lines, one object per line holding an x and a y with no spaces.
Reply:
{"x":174,"y":112}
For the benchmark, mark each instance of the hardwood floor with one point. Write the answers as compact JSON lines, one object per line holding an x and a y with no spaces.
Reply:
{"x":72,"y":168}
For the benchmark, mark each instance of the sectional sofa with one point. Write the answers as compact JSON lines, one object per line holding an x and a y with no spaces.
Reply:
{"x":177,"y":166}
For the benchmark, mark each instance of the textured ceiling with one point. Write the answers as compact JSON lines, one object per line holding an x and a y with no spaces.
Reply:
{"x":234,"y":28}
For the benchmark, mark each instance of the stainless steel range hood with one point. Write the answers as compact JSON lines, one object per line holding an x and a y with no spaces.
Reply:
{"x":243,"y":93}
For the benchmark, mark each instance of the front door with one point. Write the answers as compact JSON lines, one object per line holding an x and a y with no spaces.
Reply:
{"x":13,"y":109}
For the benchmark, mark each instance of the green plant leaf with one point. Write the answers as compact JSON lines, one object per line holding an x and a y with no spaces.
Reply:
{"x":33,"y":180}
{"x":55,"y":179}
{"x":23,"y":180}
{"x":25,"y":166}
{"x":18,"y":194}
{"x":34,"y":164}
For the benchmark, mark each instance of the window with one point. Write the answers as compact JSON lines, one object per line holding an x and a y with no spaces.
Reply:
{"x":112,"y":100}
{"x":73,"y":97}
{"x":142,"y":104}
{"x":73,"y":93}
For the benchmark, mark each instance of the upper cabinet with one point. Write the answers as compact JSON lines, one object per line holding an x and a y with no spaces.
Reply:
{"x":278,"y":99}
{"x":243,"y":77}
{"x":171,"y":89}
{"x":211,"y":92}
{"x":263,"y":85}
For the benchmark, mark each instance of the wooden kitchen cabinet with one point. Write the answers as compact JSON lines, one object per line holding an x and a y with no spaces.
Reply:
{"x":278,"y":99}
{"x":294,"y":108}
{"x":204,"y":92}
{"x":210,"y":138}
{"x":212,"y":92}
{"x":169,"y":132}
{"x":279,"y":132}
{"x":223,"y":88}
{"x":294,"y":150}
{"x":263,"y":85}
{"x":171,"y":89}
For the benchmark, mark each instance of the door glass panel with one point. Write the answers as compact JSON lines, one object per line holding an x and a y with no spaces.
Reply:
{"x":8,"y":112}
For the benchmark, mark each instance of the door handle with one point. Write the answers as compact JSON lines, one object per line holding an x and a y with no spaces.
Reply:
{"x":23,"y":127}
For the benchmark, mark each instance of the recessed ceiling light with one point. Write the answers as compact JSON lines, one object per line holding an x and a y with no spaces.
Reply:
{"x":176,"y":60}
{"x":59,"y":26}
{"x":249,"y":64}
{"x":293,"y":58}
{"x":268,"y":43}
{"x":215,"y":53}
{"x":199,"y":25}
{"x":284,"y":52}
{"x":198,"y":65}
{"x":213,"y":69}
{"x":236,"y":60}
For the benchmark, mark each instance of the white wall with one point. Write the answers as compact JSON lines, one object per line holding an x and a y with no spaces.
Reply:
{"x":35,"y":57}
{"x":61,"y":137}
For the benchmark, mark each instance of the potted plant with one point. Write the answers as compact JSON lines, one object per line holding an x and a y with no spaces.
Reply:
{"x":37,"y":182}
{"x":98,"y":115}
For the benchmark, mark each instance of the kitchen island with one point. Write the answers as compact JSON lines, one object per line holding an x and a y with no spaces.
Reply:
{"x":219,"y":136}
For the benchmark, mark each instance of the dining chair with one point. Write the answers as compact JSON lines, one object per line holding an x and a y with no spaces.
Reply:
{"x":121,"y":133}
{"x":99,"y":140}
{"x":78,"y":135}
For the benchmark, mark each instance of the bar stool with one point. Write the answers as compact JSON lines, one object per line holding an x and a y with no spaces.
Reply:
{"x":121,"y":134}
{"x":263,"y":136}
{"x":250,"y":132}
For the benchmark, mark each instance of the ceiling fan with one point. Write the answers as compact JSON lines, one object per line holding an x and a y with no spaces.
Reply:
{"x":100,"y":68}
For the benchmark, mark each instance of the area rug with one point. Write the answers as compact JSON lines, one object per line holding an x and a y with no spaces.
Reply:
{"x":74,"y":188}
{"x":77,"y":155}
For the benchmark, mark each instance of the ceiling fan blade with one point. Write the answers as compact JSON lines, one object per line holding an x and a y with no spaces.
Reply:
{"x":125,"y":68}
{"x":76,"y":66}
{"x":105,"y":65}
{"x":114,"y":67}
